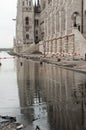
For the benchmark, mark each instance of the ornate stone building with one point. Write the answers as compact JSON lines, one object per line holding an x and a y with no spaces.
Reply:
{"x":61,"y":25}
{"x":54,"y":24}
{"x":24,"y":25}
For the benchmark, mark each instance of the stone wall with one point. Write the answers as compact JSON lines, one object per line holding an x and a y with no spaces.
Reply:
{"x":60,"y":45}
{"x":57,"y":16}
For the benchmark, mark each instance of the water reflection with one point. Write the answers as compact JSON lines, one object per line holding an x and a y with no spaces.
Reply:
{"x":29,"y":90}
{"x":53,"y":93}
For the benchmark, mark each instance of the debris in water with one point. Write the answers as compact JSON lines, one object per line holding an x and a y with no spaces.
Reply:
{"x":10,"y":123}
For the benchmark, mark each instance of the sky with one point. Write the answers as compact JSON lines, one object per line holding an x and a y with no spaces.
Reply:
{"x":8,"y":10}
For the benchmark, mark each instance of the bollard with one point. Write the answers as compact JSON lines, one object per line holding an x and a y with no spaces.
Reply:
{"x":58,"y":59}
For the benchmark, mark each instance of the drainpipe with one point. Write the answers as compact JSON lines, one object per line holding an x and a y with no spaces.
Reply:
{"x":82,"y":10}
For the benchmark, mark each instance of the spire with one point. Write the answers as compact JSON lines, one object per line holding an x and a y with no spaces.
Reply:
{"x":38,"y":3}
{"x":35,"y":3}
{"x":35,"y":7}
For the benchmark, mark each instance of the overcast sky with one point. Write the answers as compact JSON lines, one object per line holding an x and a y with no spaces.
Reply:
{"x":7,"y":25}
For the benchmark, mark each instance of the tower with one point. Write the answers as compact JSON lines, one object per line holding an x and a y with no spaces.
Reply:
{"x":37,"y":10}
{"x":25,"y":24}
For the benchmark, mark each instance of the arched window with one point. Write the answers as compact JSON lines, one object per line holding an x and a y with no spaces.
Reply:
{"x":27,"y":36}
{"x":36,"y":31}
{"x":27,"y":20}
{"x":26,"y":2}
{"x":29,"y":3}
{"x":75,"y":19}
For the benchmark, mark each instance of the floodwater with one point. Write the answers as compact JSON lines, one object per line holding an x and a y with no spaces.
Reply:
{"x":45,"y":95}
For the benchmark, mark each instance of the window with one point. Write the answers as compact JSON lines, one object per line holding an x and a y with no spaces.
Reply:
{"x":27,"y":29}
{"x":27,"y":20}
{"x":36,"y":38}
{"x":36,"y":31}
{"x":29,"y":3}
{"x":36,"y":22}
{"x":27,"y":36}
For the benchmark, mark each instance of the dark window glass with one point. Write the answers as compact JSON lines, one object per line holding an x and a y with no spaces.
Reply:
{"x":29,"y":3}
{"x":36,"y":22}
{"x":27,"y":36}
{"x":27,"y":20}
{"x":36,"y":31}
{"x":36,"y":38}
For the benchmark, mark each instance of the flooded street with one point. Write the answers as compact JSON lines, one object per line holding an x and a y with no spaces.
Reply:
{"x":45,"y":95}
{"x":9,"y":95}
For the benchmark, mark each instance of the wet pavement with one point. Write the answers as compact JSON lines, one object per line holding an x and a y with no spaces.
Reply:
{"x":46,"y":95}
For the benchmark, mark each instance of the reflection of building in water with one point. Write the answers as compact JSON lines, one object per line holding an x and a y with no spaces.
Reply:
{"x":62,"y":90}
{"x":26,"y":86}
{"x":29,"y":89}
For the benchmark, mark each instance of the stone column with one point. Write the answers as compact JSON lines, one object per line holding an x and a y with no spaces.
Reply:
{"x":44,"y":28}
{"x":66,"y":24}
{"x":56,"y":45}
{"x":50,"y":24}
{"x":60,"y":20}
{"x":55,"y":23}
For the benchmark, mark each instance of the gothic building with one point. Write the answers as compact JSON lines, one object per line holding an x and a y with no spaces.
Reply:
{"x":47,"y":20}
{"x":24,"y":25}
{"x":61,"y":15}
{"x":62,"y":24}
{"x":37,"y":11}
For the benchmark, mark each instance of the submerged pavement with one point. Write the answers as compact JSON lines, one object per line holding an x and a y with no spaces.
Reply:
{"x":79,"y":66}
{"x":74,"y":65}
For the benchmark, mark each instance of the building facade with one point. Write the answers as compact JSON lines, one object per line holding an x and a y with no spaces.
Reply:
{"x":24,"y":25}
{"x":50,"y":23}
{"x":61,"y":15}
{"x":58,"y":19}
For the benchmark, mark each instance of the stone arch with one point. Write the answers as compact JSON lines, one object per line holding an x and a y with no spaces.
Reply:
{"x":75,"y":18}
